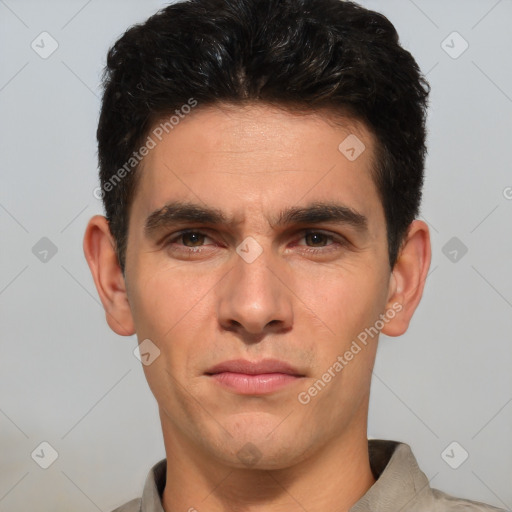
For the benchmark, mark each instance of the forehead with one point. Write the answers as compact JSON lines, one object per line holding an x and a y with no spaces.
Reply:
{"x":235,"y":157}
{"x":226,"y":127}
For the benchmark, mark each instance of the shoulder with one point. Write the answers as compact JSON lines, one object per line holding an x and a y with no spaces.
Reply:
{"x":130,"y":506}
{"x":150,"y":501}
{"x":445,"y":502}
{"x":401,"y":485}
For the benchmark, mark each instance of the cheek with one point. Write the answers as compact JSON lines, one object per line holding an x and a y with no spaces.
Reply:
{"x":348,"y":305}
{"x":172,"y":308}
{"x":343,"y":300}
{"x":164,"y":296}
{"x":149,"y":304}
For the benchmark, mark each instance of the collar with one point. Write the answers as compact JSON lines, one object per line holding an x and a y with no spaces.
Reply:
{"x":399,"y":481}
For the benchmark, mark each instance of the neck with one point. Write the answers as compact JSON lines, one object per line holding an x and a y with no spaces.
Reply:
{"x":333,"y":478}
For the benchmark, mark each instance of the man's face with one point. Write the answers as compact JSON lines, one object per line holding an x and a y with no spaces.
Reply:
{"x":284,"y":294}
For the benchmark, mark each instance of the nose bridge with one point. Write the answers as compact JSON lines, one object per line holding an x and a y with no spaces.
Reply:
{"x":252,"y":296}
{"x":254,"y":278}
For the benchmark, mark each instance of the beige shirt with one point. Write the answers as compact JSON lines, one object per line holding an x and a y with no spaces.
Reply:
{"x":400,"y":486}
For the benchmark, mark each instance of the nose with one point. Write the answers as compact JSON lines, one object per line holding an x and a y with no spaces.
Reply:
{"x":254,"y":297}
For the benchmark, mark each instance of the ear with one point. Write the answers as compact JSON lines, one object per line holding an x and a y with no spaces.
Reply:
{"x":99,"y":250}
{"x":408,"y":278}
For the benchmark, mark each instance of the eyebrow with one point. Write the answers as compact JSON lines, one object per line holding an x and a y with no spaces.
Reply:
{"x":317,"y":212}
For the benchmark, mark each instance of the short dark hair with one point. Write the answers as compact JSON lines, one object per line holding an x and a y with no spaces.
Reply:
{"x":330,"y":55}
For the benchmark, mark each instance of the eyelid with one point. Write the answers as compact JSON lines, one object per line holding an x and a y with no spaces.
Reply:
{"x":326,"y":233}
{"x":177,"y":234}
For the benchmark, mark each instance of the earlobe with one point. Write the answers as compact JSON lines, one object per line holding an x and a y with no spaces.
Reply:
{"x":408,"y":278}
{"x":99,"y":250}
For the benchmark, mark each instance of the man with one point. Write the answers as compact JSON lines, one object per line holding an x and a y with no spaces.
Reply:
{"x":261,"y":167}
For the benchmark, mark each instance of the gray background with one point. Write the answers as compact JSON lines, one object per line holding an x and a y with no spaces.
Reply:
{"x":66,"y":379}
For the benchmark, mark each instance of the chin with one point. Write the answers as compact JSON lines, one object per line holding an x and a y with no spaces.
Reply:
{"x":262,"y":446}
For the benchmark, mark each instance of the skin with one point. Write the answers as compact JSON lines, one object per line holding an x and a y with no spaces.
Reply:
{"x":203,"y":308}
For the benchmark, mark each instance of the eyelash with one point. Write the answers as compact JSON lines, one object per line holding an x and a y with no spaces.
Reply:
{"x":341,"y":241}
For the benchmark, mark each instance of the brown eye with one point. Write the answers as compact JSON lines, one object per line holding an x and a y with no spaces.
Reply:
{"x":191,"y":241}
{"x":316,"y":237}
{"x":320,"y":243}
{"x":194,"y":236}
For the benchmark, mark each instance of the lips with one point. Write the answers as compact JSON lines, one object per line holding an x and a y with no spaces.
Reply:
{"x":263,"y":377}
{"x":254,"y":368}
